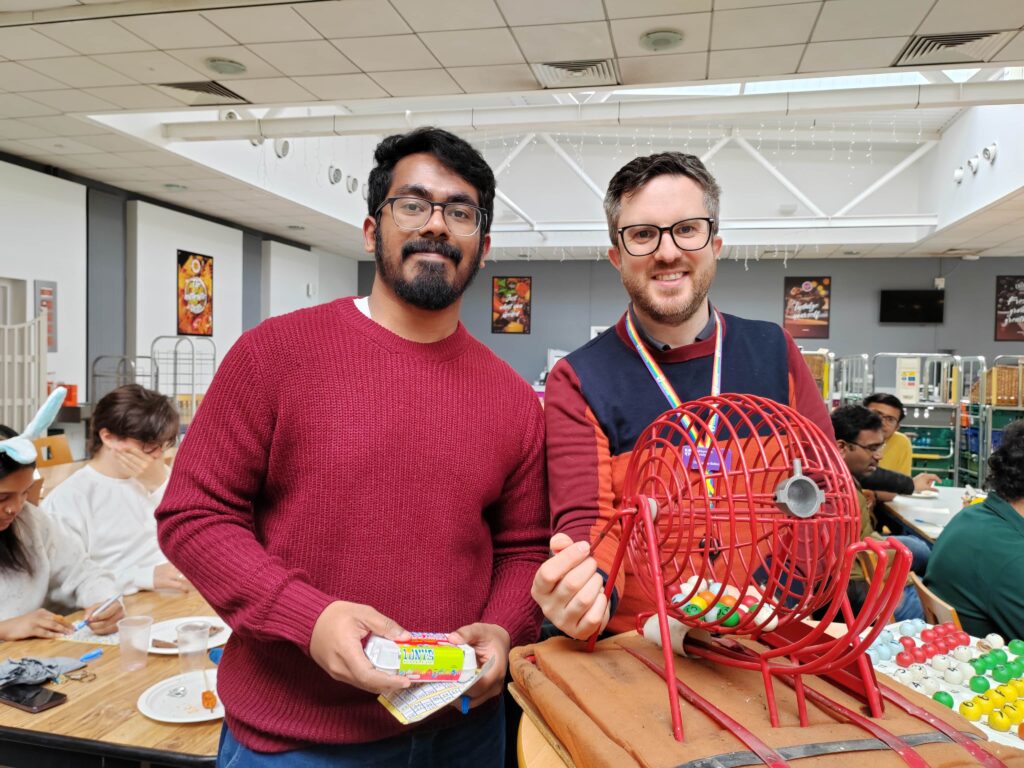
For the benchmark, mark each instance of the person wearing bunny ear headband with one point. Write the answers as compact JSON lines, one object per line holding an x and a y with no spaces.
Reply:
{"x":41,"y":566}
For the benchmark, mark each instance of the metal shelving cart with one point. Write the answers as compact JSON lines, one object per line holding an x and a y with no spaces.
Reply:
{"x":184,"y":367}
{"x":972,"y":425}
{"x":851,"y":380}
{"x":1002,"y":393}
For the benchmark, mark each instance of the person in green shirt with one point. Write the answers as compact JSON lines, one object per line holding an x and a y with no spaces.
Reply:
{"x":977,"y":564}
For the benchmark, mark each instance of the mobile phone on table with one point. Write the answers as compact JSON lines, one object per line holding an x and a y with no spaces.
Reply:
{"x":31,"y":698}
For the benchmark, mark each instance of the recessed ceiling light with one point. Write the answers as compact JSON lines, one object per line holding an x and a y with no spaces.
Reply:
{"x":522,"y":255}
{"x":225,"y":66}
{"x":175,"y":187}
{"x":296,"y":227}
{"x":661,"y":40}
{"x":851,"y":253}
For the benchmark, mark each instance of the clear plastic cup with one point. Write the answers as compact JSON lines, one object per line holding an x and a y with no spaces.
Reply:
{"x":133,"y":636}
{"x":193,"y":638}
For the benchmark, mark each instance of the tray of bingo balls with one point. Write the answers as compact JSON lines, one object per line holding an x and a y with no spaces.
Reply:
{"x":981,"y":678}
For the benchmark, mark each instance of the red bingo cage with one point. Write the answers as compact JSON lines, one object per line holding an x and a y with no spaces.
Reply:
{"x":740,"y":518}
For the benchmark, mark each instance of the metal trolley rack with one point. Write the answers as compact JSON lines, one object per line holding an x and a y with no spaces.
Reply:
{"x":851,"y":380}
{"x":974,"y":416}
{"x":184,"y":367}
{"x":1001,"y":400}
{"x":821,"y":364}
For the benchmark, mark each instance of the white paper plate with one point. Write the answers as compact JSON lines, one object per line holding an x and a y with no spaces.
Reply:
{"x":168,"y":632}
{"x":157,"y":703}
{"x":925,"y":495}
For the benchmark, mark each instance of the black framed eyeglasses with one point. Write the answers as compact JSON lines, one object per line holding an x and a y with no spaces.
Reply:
{"x":688,"y":235}
{"x":462,"y":219}
{"x":875,"y":448}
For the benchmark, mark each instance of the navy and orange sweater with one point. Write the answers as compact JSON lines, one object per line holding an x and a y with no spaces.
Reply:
{"x":599,"y":399}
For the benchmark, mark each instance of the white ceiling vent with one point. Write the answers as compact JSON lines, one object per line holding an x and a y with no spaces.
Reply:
{"x":204,"y":93}
{"x":576,"y":74}
{"x":952,"y":48}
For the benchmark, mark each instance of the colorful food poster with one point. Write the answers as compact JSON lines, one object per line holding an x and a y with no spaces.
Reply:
{"x":806,"y":306}
{"x":1010,"y":308}
{"x":195,"y":294}
{"x":510,"y":304}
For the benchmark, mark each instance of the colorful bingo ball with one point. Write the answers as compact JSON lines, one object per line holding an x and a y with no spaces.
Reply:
{"x":943,"y":698}
{"x":953,"y":677}
{"x":997,"y":699}
{"x":1016,"y":667}
{"x":928,"y":635}
{"x":699,"y":601}
{"x":885,"y":636}
{"x":941,"y":663}
{"x":731,"y":620}
{"x":1009,"y":692}
{"x":999,"y":656}
{"x":919,"y":655}
{"x":1002,"y":674}
{"x":908,"y":628}
{"x":731,"y":591}
{"x":727,"y":600}
{"x":904,"y":659}
{"x":692,"y":609}
{"x":981,"y":665}
{"x":960,"y":653}
{"x":985,"y":704}
{"x":882,"y":652}
{"x":994,"y":640}
{"x":908,"y":643}
{"x":677,"y":599}
{"x":930,"y":649}
{"x":1014,"y":711}
{"x":748,"y":601}
{"x":708,"y":597}
{"x":872,"y":654}
{"x":963,"y":638}
{"x":918,"y":671}
{"x":978,"y":684}
{"x":903,"y":676}
{"x":929,"y":685}
{"x":970,"y":710}
{"x":998,"y":721}
{"x":1016,"y":646}
{"x":965,"y":669}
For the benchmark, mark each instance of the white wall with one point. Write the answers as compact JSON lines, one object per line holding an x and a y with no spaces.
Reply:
{"x":339,"y":275}
{"x":155,"y":235}
{"x":42,"y":221}
{"x":289,"y":279}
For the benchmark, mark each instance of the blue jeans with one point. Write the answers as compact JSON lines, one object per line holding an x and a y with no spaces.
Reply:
{"x":920,"y":549}
{"x":479,"y":743}
{"x":909,"y":606}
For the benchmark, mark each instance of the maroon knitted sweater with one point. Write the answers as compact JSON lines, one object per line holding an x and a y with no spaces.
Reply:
{"x":333,"y":460}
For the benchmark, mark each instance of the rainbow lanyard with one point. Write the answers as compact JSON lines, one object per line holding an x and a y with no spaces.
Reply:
{"x":669,"y":391}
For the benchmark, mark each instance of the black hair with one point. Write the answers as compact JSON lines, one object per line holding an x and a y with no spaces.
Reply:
{"x":133,"y":411}
{"x":640,"y":170}
{"x":13,"y":552}
{"x":1007,"y":464}
{"x":455,"y":154}
{"x":885,"y":399}
{"x":850,"y":420}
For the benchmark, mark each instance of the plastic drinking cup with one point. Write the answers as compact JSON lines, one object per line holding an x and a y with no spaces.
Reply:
{"x":133,"y":636}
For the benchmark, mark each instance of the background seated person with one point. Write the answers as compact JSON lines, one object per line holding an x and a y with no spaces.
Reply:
{"x":109,"y":505}
{"x":859,"y":439}
{"x":41,"y":564}
{"x":977,"y":564}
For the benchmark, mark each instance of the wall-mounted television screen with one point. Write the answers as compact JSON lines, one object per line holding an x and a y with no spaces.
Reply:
{"x":912,"y":306}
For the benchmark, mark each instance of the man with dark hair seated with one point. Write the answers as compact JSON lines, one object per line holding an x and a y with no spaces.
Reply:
{"x":977,"y":564}
{"x":859,"y":439}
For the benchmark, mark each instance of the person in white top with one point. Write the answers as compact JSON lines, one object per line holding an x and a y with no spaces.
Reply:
{"x":109,"y":504}
{"x":41,"y":565}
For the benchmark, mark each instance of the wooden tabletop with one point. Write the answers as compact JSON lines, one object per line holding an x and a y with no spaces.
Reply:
{"x":101,"y":717}
{"x":907,"y":509}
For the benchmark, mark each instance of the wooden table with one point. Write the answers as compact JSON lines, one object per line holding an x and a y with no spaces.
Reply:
{"x":908,"y":509}
{"x":99,"y":724}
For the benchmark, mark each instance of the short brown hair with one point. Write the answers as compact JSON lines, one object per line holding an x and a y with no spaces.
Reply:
{"x":136,"y":412}
{"x":641,"y":170}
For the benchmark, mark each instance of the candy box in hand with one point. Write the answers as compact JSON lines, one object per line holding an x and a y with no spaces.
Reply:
{"x":426,"y":658}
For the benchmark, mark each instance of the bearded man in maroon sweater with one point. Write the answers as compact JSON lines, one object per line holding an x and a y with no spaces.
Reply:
{"x":367,"y":466}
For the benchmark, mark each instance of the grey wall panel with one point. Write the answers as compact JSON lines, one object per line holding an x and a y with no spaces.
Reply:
{"x":105,"y":275}
{"x":252,"y":266}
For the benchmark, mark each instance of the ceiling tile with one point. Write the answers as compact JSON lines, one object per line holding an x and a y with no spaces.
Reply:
{"x":23,"y":43}
{"x":332,"y":87}
{"x":16,"y":78}
{"x":79,"y":72}
{"x":153,"y":158}
{"x":851,"y":54}
{"x":972,"y":16}
{"x":314,"y":57}
{"x":416,"y":82}
{"x":439,"y":15}
{"x":663,"y":69}
{"x":193,"y":172}
{"x":627,"y":9}
{"x":762,"y":27}
{"x":134,"y":97}
{"x":128,"y":175}
{"x":520,"y":13}
{"x":254,"y":65}
{"x":60,"y":146}
{"x":170,"y":30}
{"x":20,"y":150}
{"x":754,"y":62}
{"x":114,"y":142}
{"x":262,"y":24}
{"x":95,"y":36}
{"x":17,"y":129}
{"x":729,"y":5}
{"x":389,"y":53}
{"x":353,"y":18}
{"x":856,"y":19}
{"x":1013,"y":50}
{"x":504,"y":77}
{"x":18,"y":6}
{"x":71,"y":101}
{"x":565,"y":42}
{"x":478,"y":48}
{"x":67,"y":126}
{"x":271,"y":90}
{"x":150,"y":67}
{"x":695,"y":28}
{"x":13,"y":105}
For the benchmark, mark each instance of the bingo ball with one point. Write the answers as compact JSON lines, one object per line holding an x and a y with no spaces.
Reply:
{"x":918,"y":671}
{"x":872,"y":654}
{"x":895,"y":648}
{"x":940,"y":663}
{"x":998,"y":721}
{"x":1007,"y":691}
{"x":999,"y":656}
{"x":985,"y":704}
{"x":1016,"y":667}
{"x":677,"y":599}
{"x":953,"y":677}
{"x":997,"y":699}
{"x":978,"y":684}
{"x":963,"y":638}
{"x":904,"y":659}
{"x":919,"y":655}
{"x":1016,"y":646}
{"x":882,"y":652}
{"x":970,"y":710}
{"x":994,"y":640}
{"x":960,"y":653}
{"x":908,"y":643}
{"x":1014,"y":711}
{"x":943,"y":698}
{"x":966,"y":670}
{"x":928,"y":635}
{"x":1002,"y":674}
{"x":903,"y":676}
{"x":929,"y":685}
{"x":930,"y":649}
{"x":885,"y":636}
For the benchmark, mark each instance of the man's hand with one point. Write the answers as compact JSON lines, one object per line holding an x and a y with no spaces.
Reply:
{"x":489,"y":641}
{"x":37,"y":623}
{"x":134,"y":461}
{"x":569,"y":589}
{"x":104,"y":623}
{"x":166,"y":576}
{"x":924,"y":482}
{"x":337,"y":645}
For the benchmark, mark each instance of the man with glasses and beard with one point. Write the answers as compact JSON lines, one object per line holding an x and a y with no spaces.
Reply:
{"x":670,"y":346}
{"x":366,"y":466}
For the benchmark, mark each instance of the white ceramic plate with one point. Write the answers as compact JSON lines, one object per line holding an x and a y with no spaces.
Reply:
{"x":925,"y":495}
{"x":179,"y":699}
{"x":168,"y":632}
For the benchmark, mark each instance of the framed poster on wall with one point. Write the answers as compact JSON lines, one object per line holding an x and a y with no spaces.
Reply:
{"x":510,"y":304}
{"x":1010,"y":308}
{"x":46,"y":299}
{"x":805,"y":308}
{"x":195,"y":294}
